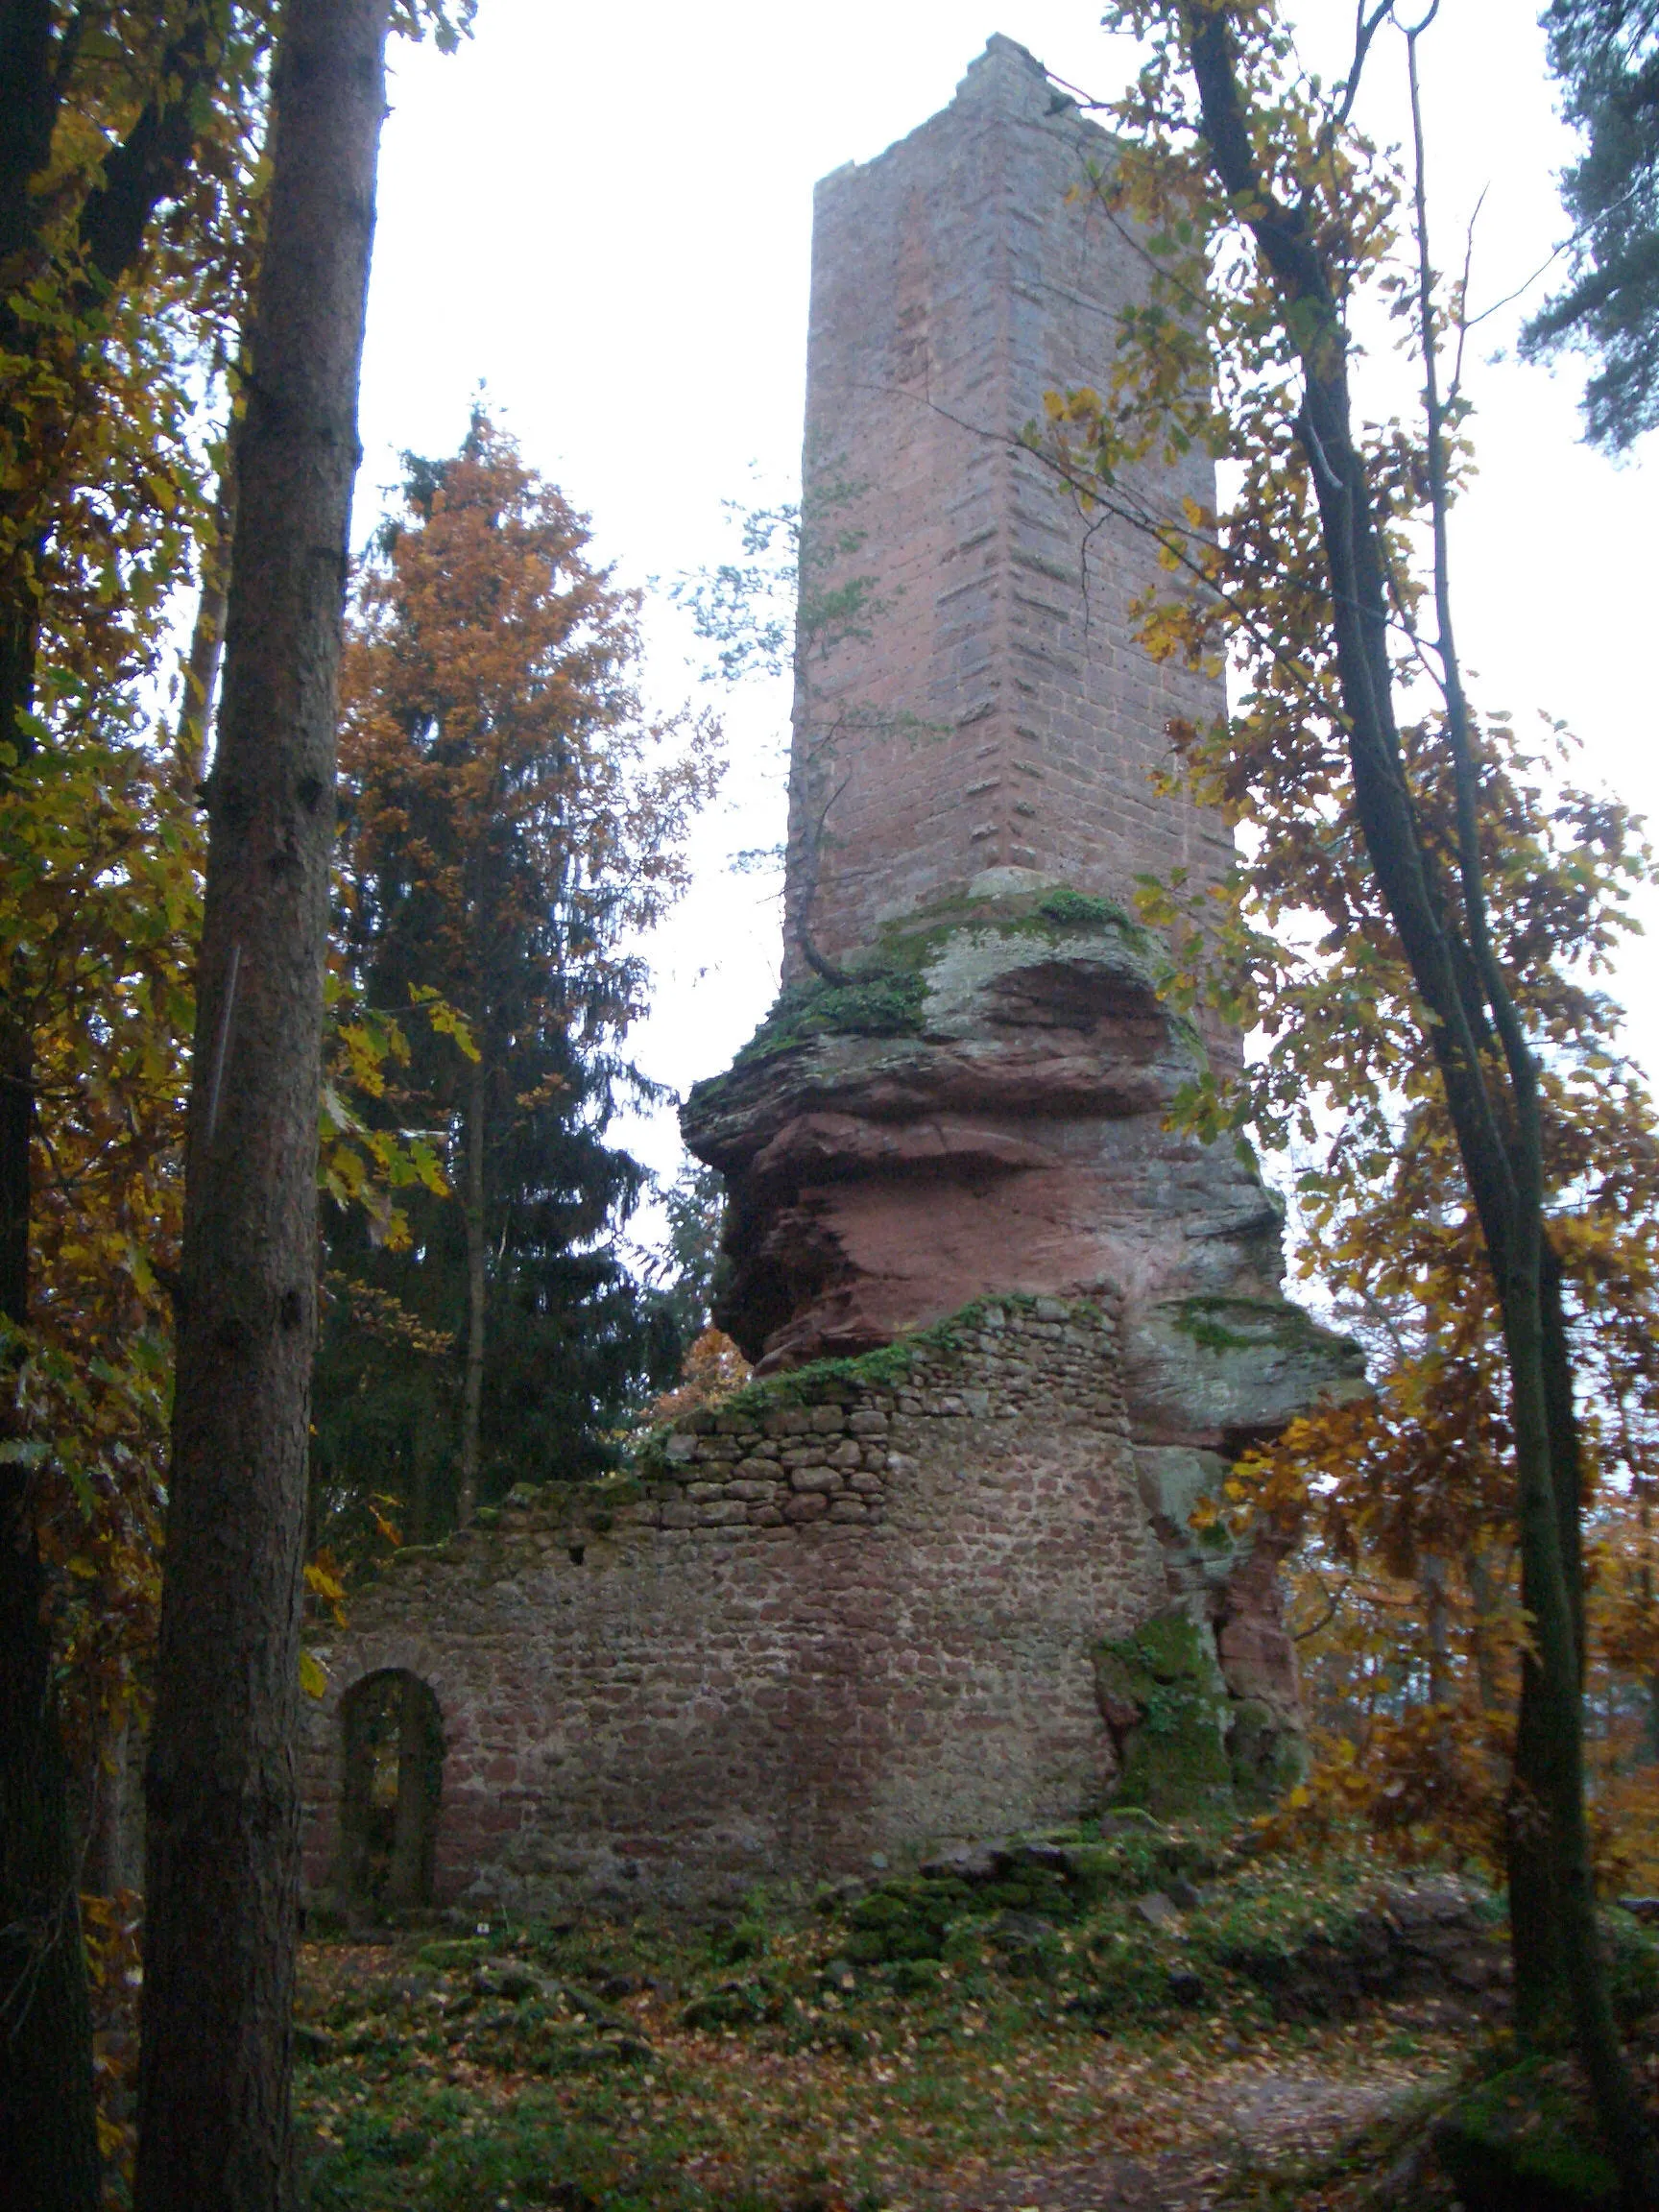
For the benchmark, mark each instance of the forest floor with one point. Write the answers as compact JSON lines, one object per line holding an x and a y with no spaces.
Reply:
{"x":1030,"y":2045}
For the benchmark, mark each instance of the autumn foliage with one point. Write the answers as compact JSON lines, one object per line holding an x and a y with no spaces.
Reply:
{"x":1418,"y":927}
{"x":515,"y":823}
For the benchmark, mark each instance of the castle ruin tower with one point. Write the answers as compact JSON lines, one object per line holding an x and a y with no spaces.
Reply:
{"x":895,"y":1604}
{"x":961,"y":1092}
{"x":970,"y":694}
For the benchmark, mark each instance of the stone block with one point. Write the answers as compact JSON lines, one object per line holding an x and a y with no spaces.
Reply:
{"x":722,"y":1513}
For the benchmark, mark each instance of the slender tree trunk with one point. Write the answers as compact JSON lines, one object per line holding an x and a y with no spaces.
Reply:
{"x":1433,"y":1575}
{"x":48,"y":2143}
{"x":106,"y":1843}
{"x":1478,"y":1040}
{"x":472,"y":1394}
{"x":405,"y":1884}
{"x":223,"y":1825}
{"x":1485,"y":1588}
{"x":201,"y":672}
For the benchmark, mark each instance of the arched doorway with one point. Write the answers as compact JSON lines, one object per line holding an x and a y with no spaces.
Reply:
{"x":392,"y":1780}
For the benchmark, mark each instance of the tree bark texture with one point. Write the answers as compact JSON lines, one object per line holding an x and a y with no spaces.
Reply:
{"x":201,"y":672}
{"x":472,"y":1392}
{"x":48,"y":2143}
{"x":222,"y":1827}
{"x":1485,"y":1064}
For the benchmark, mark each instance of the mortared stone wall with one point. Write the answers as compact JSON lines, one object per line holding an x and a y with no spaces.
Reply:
{"x":859,"y":1621}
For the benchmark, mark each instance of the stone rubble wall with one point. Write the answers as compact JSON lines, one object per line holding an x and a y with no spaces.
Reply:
{"x":855,"y":1616}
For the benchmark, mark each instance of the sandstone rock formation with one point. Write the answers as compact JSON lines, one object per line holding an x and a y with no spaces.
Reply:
{"x":982,"y":1110}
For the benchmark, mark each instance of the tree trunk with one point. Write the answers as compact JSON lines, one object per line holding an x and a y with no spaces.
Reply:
{"x":1486,"y":1592}
{"x":1432,"y":1576}
{"x":1472,"y":1019}
{"x":473,"y":1394}
{"x":223,"y":1826}
{"x":48,"y":2143}
{"x":108,"y":1848}
{"x":201,"y":672}
{"x":406,"y":1882}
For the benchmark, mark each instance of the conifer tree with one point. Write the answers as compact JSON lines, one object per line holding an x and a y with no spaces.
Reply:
{"x":515,"y":823}
{"x":1606,"y":54}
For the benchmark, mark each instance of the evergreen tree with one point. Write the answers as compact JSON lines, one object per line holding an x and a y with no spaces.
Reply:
{"x":1606,"y":54}
{"x":514,"y":823}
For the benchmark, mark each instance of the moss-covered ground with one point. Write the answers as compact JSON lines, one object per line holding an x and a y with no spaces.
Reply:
{"x":1031,"y":2039}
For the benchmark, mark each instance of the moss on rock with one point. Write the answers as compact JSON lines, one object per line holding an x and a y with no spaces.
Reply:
{"x":1521,"y":2142}
{"x":1175,"y":1751}
{"x":880,"y":1004}
{"x":885,"y":988}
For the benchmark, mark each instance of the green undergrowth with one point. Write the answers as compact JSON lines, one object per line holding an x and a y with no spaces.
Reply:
{"x":885,"y":988}
{"x":588,"y":2062}
{"x":1519,"y":2142}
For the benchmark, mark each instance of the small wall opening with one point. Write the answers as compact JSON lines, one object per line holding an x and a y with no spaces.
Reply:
{"x":393,"y":1782}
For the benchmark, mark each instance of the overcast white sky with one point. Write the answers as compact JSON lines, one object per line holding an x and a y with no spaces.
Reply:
{"x":603,"y":215}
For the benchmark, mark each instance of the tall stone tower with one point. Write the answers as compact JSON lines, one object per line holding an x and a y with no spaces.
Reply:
{"x":970,"y":694}
{"x":906,"y":1602}
{"x":962,"y":1092}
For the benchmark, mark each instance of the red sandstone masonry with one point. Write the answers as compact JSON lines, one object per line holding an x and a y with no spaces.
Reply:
{"x":772,"y":1662}
{"x":996,"y":710}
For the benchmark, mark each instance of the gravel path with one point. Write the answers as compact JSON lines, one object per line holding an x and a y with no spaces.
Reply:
{"x":1255,"y":2115}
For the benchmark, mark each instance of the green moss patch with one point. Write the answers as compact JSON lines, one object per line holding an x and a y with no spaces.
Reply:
{"x":1521,"y":2142}
{"x":1174,"y":1756}
{"x":886,"y":987}
{"x":881,"y":1003}
{"x":1242,"y":1324}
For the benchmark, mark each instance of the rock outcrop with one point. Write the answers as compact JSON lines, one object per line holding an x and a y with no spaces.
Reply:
{"x":981,"y":1109}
